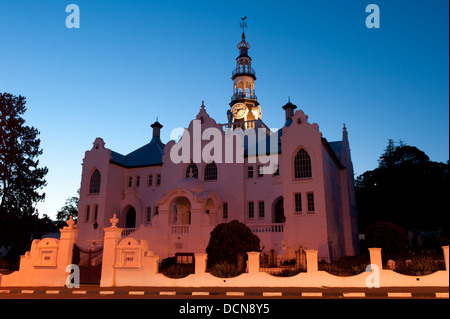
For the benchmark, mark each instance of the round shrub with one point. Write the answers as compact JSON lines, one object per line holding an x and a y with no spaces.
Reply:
{"x":229,"y":242}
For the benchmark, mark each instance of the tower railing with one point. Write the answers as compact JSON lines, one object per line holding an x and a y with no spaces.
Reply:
{"x":243,"y":71}
{"x":251,"y":124}
{"x":243,"y":95}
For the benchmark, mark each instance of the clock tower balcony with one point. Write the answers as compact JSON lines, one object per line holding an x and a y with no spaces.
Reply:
{"x":243,"y":71}
{"x":242,"y":96}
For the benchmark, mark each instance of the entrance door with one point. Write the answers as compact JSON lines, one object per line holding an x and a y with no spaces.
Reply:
{"x":130,"y":221}
{"x":89,"y":263}
{"x":278,"y":214}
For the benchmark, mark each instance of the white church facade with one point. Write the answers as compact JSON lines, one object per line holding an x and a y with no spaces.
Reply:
{"x":290,"y":186}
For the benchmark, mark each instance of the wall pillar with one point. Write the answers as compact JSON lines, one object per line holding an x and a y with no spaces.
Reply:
{"x":112,"y":236}
{"x":69,"y":236}
{"x":445,"y":249}
{"x":200,"y":263}
{"x":253,"y":262}
{"x":311,"y":261}
{"x":375,"y":257}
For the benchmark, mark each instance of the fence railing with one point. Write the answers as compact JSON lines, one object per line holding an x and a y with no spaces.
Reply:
{"x":267,"y":228}
{"x":127,"y":231}
{"x":179,"y":229}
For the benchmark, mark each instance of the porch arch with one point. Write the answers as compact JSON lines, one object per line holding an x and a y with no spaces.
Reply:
{"x":278,"y":215}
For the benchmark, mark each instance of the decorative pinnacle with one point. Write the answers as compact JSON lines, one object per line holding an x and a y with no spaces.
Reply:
{"x":114,"y":221}
{"x":243,"y":23}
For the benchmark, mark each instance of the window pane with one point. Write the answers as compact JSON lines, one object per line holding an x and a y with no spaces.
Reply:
{"x":192,"y":169}
{"x":150,"y":180}
{"x":310,"y":202}
{"x":251,"y":210}
{"x":158,"y":179}
{"x":225,"y":210}
{"x":250,"y":172}
{"x":211,"y":172}
{"x":298,"y":203}
{"x":86,"y":215}
{"x":302,"y":164}
{"x":261,"y":209}
{"x":94,"y":184}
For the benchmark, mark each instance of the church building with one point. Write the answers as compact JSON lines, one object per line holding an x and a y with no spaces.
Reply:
{"x":291,"y":186}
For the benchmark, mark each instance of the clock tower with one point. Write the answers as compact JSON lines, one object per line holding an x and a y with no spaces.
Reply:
{"x":244,"y":106}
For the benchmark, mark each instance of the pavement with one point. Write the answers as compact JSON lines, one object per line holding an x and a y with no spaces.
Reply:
{"x":97,"y":292}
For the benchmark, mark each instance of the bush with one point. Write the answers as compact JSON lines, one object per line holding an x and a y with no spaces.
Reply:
{"x":288,"y":272}
{"x":340,"y":270}
{"x":176,"y":271}
{"x":346,"y":266}
{"x":391,"y":238}
{"x":224,"y":270}
{"x":419,"y":265}
{"x":229,"y":242}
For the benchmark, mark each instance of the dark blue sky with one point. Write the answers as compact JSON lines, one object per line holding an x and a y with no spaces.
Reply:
{"x":131,"y":61}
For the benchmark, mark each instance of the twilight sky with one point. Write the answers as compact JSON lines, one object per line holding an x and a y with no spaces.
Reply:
{"x":131,"y":61}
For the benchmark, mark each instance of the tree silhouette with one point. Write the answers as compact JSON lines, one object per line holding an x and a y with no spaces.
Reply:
{"x":406,"y":189}
{"x":21,"y":178}
{"x":69,"y":209}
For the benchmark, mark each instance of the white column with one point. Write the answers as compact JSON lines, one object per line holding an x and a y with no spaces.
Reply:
{"x":112,"y":237}
{"x":311,"y":261}
{"x":375,"y":257}
{"x":200,"y":263}
{"x":253,"y":262}
{"x":445,"y":249}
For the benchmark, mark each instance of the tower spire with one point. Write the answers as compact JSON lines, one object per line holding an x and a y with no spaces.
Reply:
{"x":244,"y":105}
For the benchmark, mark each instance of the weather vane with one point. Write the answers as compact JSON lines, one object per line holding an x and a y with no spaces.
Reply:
{"x":243,"y":23}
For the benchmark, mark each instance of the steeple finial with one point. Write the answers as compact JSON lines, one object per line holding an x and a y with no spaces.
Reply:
{"x":243,"y":25}
{"x":344,"y":133}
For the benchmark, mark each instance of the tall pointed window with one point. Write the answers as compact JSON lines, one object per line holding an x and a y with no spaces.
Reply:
{"x":211,"y":172}
{"x":302,"y":164}
{"x":192,"y":170}
{"x":94,"y":184}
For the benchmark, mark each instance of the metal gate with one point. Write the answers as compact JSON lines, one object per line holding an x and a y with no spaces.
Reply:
{"x":90,"y":264}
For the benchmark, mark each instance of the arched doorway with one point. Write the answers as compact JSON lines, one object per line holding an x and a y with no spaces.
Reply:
{"x":130,"y":219}
{"x":181,"y":211}
{"x":278,"y":211}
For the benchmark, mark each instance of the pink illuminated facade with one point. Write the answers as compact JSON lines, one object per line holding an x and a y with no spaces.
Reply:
{"x":299,"y":191}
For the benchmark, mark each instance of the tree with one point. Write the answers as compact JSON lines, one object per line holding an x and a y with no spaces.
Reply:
{"x":406,"y":189}
{"x":230,"y":240}
{"x":392,"y":239}
{"x":21,"y":178}
{"x":69,"y":209}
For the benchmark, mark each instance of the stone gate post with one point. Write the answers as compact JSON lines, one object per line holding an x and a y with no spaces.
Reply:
{"x":113,"y":235}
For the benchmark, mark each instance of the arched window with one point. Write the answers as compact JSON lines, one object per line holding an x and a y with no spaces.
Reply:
{"x":211,"y":172}
{"x":192,"y":167}
{"x":302,"y":164}
{"x":94,"y":184}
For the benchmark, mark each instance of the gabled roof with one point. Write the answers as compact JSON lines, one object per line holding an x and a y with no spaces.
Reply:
{"x":148,"y":155}
{"x":334,"y":149}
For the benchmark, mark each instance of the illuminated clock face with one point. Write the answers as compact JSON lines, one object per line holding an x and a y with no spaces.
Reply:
{"x":239,"y":110}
